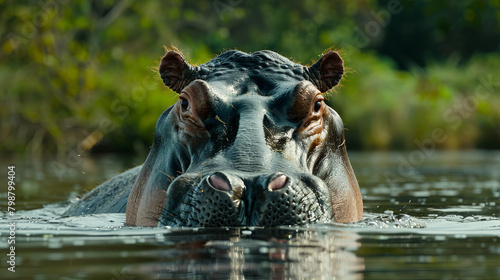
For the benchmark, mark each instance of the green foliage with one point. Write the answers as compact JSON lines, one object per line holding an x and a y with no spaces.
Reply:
{"x":385,"y":108}
{"x":79,"y":72}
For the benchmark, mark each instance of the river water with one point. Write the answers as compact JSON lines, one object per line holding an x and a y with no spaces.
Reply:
{"x":432,"y":215}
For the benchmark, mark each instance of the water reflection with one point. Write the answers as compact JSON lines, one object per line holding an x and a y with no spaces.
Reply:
{"x":440,"y":223}
{"x":254,"y":254}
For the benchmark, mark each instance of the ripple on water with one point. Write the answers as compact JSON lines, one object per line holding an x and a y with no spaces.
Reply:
{"x":48,"y":222}
{"x":389,"y":220}
{"x":303,"y":252}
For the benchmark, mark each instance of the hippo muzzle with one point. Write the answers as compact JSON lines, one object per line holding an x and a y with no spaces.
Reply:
{"x":221,"y":199}
{"x":250,"y":142}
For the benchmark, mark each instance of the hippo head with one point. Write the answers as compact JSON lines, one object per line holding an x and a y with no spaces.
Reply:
{"x":250,"y":142}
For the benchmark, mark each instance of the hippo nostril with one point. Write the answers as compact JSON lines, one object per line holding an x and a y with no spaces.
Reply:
{"x":219,"y":182}
{"x":277,"y":183}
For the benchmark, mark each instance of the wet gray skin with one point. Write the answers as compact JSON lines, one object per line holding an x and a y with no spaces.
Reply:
{"x":249,"y":142}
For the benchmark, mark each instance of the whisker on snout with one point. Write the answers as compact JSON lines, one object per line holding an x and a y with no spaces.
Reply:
{"x":170,"y":178}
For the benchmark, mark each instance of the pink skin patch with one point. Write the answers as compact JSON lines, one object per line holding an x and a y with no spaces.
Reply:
{"x":218,"y":183}
{"x":277,"y":183}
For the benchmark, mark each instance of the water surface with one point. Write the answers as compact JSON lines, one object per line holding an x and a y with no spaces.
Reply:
{"x":434,"y":217}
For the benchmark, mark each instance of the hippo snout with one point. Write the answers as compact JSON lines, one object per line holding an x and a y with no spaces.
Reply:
{"x":220,"y":181}
{"x":224,"y":199}
{"x":224,"y":182}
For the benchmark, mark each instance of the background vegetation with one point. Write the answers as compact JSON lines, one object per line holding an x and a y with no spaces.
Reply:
{"x":79,"y":75}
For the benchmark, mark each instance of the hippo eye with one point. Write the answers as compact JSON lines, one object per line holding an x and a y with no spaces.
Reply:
{"x":184,"y":103}
{"x":317,"y":106}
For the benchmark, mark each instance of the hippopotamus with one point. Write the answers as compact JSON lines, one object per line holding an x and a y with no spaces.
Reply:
{"x":249,"y":142}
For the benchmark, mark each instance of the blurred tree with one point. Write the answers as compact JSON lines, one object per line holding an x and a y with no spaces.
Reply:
{"x":78,"y":73}
{"x":437,"y":30}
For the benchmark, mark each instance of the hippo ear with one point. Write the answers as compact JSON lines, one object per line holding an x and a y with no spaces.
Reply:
{"x":327,"y":71}
{"x":175,"y":72}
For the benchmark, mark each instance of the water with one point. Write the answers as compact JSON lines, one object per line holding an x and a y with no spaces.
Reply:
{"x":432,"y":217}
